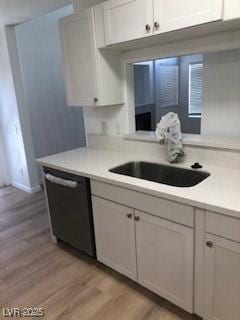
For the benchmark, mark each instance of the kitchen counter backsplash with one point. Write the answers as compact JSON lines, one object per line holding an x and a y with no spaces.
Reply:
{"x":155,"y":152}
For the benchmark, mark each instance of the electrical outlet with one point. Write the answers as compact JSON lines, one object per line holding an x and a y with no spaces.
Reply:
{"x":118,"y":130}
{"x":104,"y":127}
{"x":14,"y":130}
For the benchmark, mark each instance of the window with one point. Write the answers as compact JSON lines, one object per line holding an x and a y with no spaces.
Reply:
{"x":195,"y":89}
{"x":165,"y":85}
{"x":143,"y":82}
{"x":167,"y":82}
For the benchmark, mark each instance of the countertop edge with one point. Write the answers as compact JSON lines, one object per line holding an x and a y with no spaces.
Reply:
{"x":159,"y":194}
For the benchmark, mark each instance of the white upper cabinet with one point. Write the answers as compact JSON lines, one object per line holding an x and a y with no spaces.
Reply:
{"x":92,"y":77}
{"x":171,"y":15}
{"x":231,"y":9}
{"x":222,"y":279}
{"x":79,"y":60}
{"x":132,"y":19}
{"x":165,"y":258}
{"x":127,"y":20}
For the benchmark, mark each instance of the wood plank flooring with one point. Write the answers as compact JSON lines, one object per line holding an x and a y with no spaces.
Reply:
{"x":66,"y":284}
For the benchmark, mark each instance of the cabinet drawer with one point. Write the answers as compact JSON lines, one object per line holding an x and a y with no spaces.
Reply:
{"x":166,"y":209}
{"x":223,"y":226}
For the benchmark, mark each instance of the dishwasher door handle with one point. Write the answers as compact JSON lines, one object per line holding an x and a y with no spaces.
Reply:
{"x":62,"y":182}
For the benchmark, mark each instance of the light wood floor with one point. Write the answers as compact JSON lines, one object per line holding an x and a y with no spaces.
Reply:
{"x":67,"y":284}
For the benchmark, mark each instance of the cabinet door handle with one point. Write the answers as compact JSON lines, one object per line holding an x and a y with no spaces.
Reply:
{"x":129,"y":216}
{"x":148,"y":27}
{"x":209,"y":244}
{"x":156,"y":25}
{"x":137,"y":218}
{"x":95,"y":99}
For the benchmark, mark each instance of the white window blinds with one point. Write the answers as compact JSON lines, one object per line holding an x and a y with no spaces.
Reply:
{"x":167,"y":82}
{"x":195,"y":89}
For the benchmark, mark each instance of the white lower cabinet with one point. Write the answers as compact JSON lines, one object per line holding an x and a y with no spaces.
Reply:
{"x":165,"y":258}
{"x":153,"y":251}
{"x":194,"y":262}
{"x":222,"y":279}
{"x":115,"y":236}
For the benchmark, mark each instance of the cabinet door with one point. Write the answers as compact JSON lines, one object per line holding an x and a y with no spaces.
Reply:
{"x":127,"y":20}
{"x":77,"y":39}
{"x":231,"y":9}
{"x":222,"y":279}
{"x":115,"y":236}
{"x":175,"y":14}
{"x":165,"y":259}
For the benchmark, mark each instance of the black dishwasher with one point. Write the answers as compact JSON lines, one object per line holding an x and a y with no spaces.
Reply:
{"x":70,"y":208}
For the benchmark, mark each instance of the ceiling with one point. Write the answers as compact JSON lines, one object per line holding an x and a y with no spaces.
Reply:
{"x":16,"y":11}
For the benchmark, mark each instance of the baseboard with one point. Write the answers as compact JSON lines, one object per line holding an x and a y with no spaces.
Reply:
{"x":26,"y":188}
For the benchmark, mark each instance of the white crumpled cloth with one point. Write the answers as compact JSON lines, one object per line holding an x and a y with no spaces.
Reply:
{"x":169,"y":130}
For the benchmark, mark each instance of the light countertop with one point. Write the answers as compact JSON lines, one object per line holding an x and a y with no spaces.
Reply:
{"x":219,"y":193}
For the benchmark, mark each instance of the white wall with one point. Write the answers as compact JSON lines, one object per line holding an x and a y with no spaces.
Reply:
{"x":21,"y":102}
{"x":106,"y":120}
{"x":34,"y":116}
{"x":54,"y":126}
{"x":221,"y":99}
{"x":10,"y":121}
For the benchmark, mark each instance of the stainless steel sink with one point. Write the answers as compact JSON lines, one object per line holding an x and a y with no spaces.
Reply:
{"x":165,"y":174}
